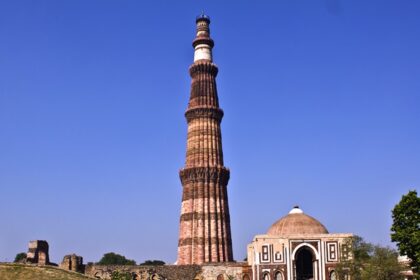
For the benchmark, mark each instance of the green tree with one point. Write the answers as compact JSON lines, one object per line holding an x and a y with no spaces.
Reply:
{"x":119,"y":275}
{"x":382,"y":265}
{"x":115,"y":259}
{"x":19,"y":257}
{"x":368,"y":262}
{"x":405,"y":228}
{"x":230,"y":277}
{"x":153,"y":262}
{"x":352,"y":264}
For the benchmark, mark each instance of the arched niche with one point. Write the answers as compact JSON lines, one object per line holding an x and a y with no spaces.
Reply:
{"x":333,"y":275}
{"x":278,"y":276}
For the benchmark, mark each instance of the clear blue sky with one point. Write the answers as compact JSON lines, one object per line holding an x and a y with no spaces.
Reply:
{"x":321,"y":101}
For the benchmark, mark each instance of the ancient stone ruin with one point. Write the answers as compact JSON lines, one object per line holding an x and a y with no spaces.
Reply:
{"x":73,"y":262}
{"x":38,"y":252}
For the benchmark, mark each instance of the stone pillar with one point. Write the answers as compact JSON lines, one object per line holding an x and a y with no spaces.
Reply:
{"x":205,"y":222}
{"x":38,"y":252}
{"x":73,"y":262}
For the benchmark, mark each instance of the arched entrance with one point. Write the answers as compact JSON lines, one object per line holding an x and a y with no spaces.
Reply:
{"x":304,"y":263}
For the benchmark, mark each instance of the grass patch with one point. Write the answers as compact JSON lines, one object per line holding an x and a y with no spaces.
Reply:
{"x":12,"y":271}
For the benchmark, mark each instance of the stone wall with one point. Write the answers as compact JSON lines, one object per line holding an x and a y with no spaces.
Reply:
{"x":234,"y":271}
{"x":226,"y":271}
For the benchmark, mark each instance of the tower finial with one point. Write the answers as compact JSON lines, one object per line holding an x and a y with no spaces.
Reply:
{"x":202,"y":17}
{"x":202,"y":43}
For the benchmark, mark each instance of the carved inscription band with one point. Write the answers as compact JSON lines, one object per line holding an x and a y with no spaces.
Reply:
{"x":197,"y":241}
{"x":201,"y":112}
{"x":203,"y":67}
{"x":201,"y":216}
{"x":200,"y":174}
{"x":202,"y":191}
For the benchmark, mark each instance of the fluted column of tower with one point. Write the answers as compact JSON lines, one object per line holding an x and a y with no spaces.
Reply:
{"x":205,"y":223}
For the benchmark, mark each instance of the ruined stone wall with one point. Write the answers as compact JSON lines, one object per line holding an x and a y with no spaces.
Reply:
{"x":73,"y":262}
{"x":238,"y":271}
{"x":38,"y":252}
{"x":228,"y":271}
{"x":144,"y":272}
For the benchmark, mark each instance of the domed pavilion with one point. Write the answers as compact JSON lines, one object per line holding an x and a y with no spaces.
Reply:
{"x":297,"y":247}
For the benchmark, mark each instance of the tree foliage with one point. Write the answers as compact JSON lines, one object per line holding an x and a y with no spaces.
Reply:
{"x":115,"y":259}
{"x":383,"y":264}
{"x":119,"y":275}
{"x":369,"y":262}
{"x":405,"y":230}
{"x":153,"y":262}
{"x":20,"y":257}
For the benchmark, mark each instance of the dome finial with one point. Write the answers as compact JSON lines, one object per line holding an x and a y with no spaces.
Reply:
{"x":296,"y":210}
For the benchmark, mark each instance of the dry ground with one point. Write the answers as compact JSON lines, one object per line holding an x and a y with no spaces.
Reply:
{"x":12,"y":271}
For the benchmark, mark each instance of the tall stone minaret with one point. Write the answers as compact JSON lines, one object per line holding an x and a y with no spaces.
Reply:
{"x":204,"y":234}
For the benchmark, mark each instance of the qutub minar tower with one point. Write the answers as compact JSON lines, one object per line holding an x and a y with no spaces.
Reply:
{"x":204,"y":234}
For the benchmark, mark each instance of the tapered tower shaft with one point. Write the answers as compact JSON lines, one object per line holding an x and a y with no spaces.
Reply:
{"x":205,"y":223}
